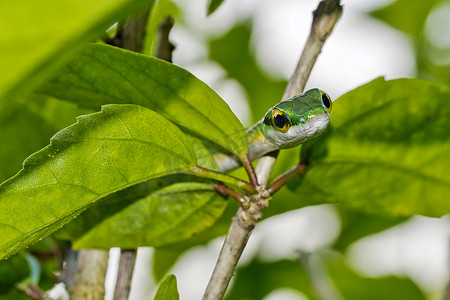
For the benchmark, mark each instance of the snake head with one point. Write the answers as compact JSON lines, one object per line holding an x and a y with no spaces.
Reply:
{"x":297,"y":119}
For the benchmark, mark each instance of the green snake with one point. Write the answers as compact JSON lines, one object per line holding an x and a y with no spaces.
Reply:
{"x":288,"y":124}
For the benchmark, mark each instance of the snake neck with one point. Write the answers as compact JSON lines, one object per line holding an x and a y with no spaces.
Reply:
{"x":258,"y":144}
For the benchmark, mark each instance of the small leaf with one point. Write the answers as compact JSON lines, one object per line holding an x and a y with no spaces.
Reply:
{"x":387,"y":151}
{"x":100,"y":154}
{"x":102,"y":74}
{"x":213,"y":5}
{"x":168,"y":289}
{"x":41,"y":35}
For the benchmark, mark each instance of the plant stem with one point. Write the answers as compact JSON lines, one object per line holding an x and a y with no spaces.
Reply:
{"x":325,"y":18}
{"x":124,"y":275}
{"x":278,"y":183}
{"x":90,"y":275}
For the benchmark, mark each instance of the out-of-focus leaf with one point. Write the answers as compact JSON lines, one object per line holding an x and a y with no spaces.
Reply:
{"x":13,"y":271}
{"x":169,"y":215}
{"x":233,"y":54}
{"x":163,"y":260}
{"x":40,"y":35}
{"x":22,"y":132}
{"x":102,"y":74}
{"x":258,"y":279}
{"x":354,"y":286}
{"x":100,"y":154}
{"x":213,"y":5}
{"x":357,"y":225}
{"x":27,"y":127}
{"x":168,"y":289}
{"x":411,"y":22}
{"x":387,"y":151}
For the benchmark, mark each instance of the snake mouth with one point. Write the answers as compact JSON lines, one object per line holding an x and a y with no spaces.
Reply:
{"x":316,"y":125}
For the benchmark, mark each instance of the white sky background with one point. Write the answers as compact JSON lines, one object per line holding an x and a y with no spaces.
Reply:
{"x":359,"y":50}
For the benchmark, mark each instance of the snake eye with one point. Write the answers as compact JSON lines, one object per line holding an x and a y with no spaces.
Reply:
{"x":280,"y":120}
{"x":326,"y":100}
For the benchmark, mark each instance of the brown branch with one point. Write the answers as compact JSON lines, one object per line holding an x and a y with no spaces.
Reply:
{"x":325,"y":18}
{"x":165,"y":47}
{"x":131,"y":35}
{"x":90,"y":275}
{"x":125,"y":273}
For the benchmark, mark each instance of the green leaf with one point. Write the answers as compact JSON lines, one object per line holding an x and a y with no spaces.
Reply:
{"x":166,"y":216}
{"x":258,"y":279}
{"x":102,"y":74}
{"x":22,"y":132}
{"x":412,"y":22}
{"x":387,"y":151}
{"x":100,"y":154}
{"x":168,"y":289}
{"x":354,"y":286}
{"x":357,"y":225}
{"x":213,"y":5}
{"x":38,"y":36}
{"x":12,"y":272}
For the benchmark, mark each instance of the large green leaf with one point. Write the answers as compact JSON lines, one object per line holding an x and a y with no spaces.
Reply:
{"x":157,"y":213}
{"x":37,"y":36}
{"x":102,"y":74}
{"x":168,"y":289}
{"x":100,"y":154}
{"x":388,"y":151}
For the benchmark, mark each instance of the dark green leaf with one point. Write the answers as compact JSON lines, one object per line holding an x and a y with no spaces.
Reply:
{"x":100,"y":154}
{"x":103,"y":74}
{"x":411,"y":22}
{"x":12,"y":272}
{"x":259,"y":279}
{"x":213,"y":5}
{"x":168,"y":289}
{"x":40,"y":35}
{"x":354,"y":286}
{"x":387,"y":151}
{"x":357,"y":225}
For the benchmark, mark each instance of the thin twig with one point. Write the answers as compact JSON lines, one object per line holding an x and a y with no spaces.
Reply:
{"x":279,"y":182}
{"x":133,"y":35}
{"x":226,"y":191}
{"x":325,"y":18}
{"x":34,"y":292}
{"x":165,"y":47}
{"x":125,"y":273}
{"x":247,"y":163}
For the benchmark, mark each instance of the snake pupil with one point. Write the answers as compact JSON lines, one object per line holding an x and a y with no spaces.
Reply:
{"x":279,"y":121}
{"x":326,"y":100}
